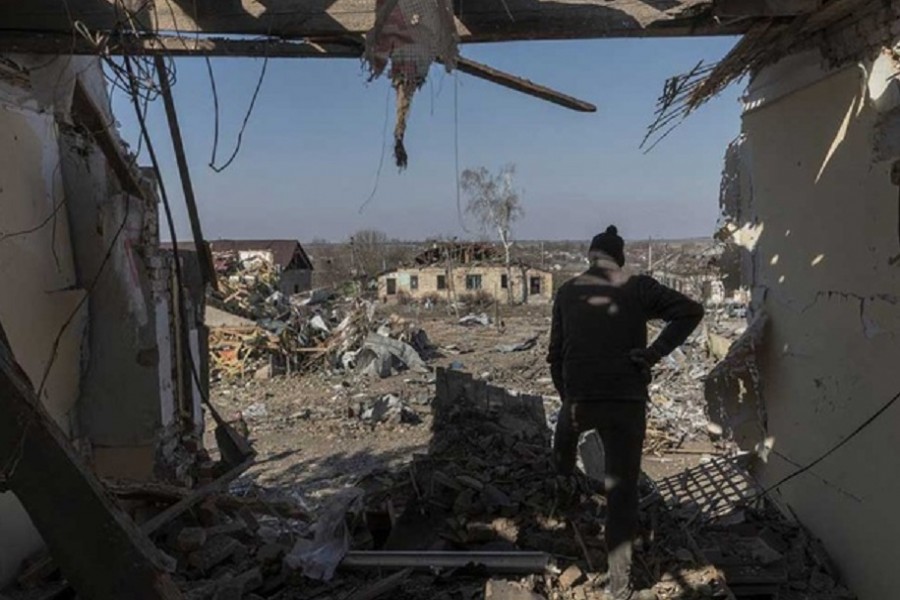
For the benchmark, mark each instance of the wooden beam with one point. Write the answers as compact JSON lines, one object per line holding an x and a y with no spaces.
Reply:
{"x":765,"y":8}
{"x":488,"y":20}
{"x":195,"y":497}
{"x":100,"y":551}
{"x":519,"y":84}
{"x":207,"y":269}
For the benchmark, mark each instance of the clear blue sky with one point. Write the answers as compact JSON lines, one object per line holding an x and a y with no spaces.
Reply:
{"x":311,"y":150}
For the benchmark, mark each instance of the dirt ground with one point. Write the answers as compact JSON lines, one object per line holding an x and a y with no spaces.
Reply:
{"x":312,"y":441}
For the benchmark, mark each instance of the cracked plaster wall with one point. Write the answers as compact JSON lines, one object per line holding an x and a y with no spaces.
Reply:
{"x":39,"y":290}
{"x":812,"y":208}
{"x":60,"y":207}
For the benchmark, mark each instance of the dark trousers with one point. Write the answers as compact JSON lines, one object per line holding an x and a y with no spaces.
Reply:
{"x":621,"y":425}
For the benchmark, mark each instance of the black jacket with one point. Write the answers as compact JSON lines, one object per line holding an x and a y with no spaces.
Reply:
{"x":599,"y":317}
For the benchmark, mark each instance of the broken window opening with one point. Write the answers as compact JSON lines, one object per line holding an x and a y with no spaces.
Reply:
{"x":391,"y":286}
{"x":473,"y":282}
{"x":442,"y":282}
{"x":535,"y":286}
{"x":504,"y":281}
{"x":413,"y":282}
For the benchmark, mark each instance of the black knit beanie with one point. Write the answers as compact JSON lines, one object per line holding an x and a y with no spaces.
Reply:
{"x":610,"y":243}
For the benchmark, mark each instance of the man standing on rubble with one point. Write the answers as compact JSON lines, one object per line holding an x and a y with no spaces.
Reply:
{"x":601,"y":366}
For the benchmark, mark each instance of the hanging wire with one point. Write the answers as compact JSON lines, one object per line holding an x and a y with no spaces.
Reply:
{"x":215,"y":95}
{"x":809,"y":466}
{"x":247,"y":115}
{"x":384,"y":133}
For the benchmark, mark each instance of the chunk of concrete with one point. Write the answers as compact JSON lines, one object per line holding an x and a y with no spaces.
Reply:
{"x":570,"y":577}
{"x":498,"y":589}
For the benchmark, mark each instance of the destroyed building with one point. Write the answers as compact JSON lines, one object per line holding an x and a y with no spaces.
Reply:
{"x":453,"y":272}
{"x":88,"y":305}
{"x":293,"y":266}
{"x":809,"y":197}
{"x":527,"y":285}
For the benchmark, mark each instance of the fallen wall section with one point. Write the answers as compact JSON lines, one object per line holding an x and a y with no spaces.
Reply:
{"x":457,"y":390}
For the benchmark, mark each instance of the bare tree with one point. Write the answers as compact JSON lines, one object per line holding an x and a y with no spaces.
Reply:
{"x":495,"y":202}
{"x":368,"y":251}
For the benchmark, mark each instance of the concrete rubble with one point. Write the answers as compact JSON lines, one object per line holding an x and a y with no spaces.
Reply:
{"x":486,"y":487}
{"x":678,"y":406}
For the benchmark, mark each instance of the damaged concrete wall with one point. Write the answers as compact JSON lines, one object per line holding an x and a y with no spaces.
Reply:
{"x":121,"y":387}
{"x":815,"y":215}
{"x":39,"y":293}
{"x":102,"y":364}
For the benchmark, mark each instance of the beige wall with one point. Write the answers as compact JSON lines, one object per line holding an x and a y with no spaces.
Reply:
{"x":36,"y":294}
{"x":491,"y":283}
{"x":819,"y":219}
{"x":108,"y":379}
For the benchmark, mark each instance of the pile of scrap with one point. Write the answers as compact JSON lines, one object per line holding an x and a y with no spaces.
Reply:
{"x":258,"y":331}
{"x":246,"y":287}
{"x":482,"y":514}
{"x":295,"y":338}
{"x":724,"y":520}
{"x":488,"y":484}
{"x":237,"y":352}
{"x":330,"y":335}
{"x":677,"y":411}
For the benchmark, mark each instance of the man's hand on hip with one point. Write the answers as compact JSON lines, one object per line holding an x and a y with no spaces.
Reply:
{"x":645,"y":359}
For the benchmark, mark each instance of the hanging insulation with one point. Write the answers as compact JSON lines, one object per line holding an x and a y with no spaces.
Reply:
{"x":409,"y":35}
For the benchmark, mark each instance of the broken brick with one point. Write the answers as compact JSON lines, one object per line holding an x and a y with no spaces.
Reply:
{"x":570,"y":577}
{"x":497,"y":589}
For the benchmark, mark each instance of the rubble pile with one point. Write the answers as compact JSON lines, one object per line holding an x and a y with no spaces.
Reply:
{"x":485,"y":488}
{"x":248,"y":288}
{"x":234,"y":546}
{"x":304,"y":332}
{"x":294,"y":338}
{"x":762,"y":555}
{"x":488,"y":477}
{"x":488,"y":484}
{"x":677,"y":411}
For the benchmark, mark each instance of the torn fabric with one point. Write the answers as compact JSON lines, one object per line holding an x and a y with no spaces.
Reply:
{"x":410,"y":35}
